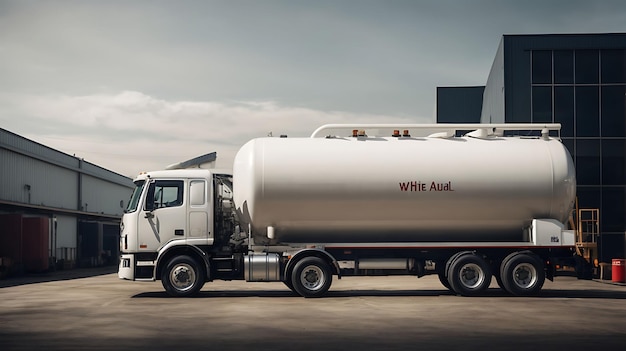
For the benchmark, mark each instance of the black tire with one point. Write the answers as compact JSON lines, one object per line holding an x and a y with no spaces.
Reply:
{"x":182,"y":276}
{"x":522,"y":274}
{"x":469,"y":275}
{"x":289,"y":285}
{"x":444,"y":281}
{"x":311,"y":277}
{"x":443,"y":276}
{"x":451,"y":260}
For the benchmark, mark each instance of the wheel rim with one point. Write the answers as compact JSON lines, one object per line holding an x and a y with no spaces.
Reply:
{"x":471,"y":276}
{"x":525,"y":275}
{"x":183,"y":277}
{"x":312,"y":277}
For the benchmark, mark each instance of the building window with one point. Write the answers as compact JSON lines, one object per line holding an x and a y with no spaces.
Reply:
{"x":563,"y":67}
{"x":587,"y":110}
{"x":588,"y":161}
{"x":613,"y":66}
{"x":587,"y":67}
{"x":614,"y":111}
{"x":613,"y":166}
{"x":542,"y":104}
{"x":564,"y":109}
{"x":613,"y":208}
{"x":589,"y":197}
{"x":542,"y":67}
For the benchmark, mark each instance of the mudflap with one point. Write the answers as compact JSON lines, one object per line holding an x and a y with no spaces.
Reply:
{"x":584,"y":269}
{"x":573,"y":266}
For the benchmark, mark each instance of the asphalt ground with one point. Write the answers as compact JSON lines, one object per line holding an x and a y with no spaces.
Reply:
{"x":94,"y":310}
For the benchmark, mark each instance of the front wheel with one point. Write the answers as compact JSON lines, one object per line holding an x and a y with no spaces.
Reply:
{"x":182,"y":276}
{"x":311,"y":277}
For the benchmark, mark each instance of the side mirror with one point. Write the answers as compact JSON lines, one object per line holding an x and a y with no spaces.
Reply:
{"x":149,"y":206}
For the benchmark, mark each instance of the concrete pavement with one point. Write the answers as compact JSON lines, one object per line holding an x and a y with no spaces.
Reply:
{"x":364,"y":313}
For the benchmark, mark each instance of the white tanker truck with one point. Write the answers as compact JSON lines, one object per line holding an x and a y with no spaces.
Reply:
{"x":417,"y":202}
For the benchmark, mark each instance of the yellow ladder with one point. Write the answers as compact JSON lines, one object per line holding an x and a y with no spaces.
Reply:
{"x":586,"y":223}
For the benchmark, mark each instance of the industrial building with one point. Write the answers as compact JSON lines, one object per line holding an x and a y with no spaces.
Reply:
{"x":578,"y":80}
{"x":57,"y":211}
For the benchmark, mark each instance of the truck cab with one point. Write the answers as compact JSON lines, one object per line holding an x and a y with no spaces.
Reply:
{"x":176,"y":213}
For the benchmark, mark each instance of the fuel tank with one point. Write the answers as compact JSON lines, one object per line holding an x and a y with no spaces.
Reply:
{"x":401,"y":189}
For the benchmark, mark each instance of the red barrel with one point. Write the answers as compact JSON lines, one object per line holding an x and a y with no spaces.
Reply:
{"x":618,"y":270}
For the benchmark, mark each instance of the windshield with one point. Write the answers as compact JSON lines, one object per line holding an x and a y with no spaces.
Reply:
{"x":134,"y":198}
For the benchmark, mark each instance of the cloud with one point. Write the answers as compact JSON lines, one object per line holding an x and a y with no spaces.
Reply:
{"x":176,"y":80}
{"x":130,"y":131}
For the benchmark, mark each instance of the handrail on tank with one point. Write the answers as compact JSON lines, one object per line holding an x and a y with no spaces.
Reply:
{"x":452,"y":128}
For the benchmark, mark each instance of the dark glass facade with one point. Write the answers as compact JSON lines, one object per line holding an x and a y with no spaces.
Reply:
{"x":459,"y":104}
{"x":578,"y":80}
{"x":585,"y":91}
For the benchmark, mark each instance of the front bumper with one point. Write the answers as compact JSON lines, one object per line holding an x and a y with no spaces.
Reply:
{"x":126,"y":269}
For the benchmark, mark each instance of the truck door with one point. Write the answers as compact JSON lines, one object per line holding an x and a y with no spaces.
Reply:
{"x":164,"y":214}
{"x":199,"y":213}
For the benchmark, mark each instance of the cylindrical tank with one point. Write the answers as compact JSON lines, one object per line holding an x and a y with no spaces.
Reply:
{"x":375,"y":189}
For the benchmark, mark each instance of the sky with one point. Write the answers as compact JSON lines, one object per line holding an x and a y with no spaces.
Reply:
{"x":133,"y":86}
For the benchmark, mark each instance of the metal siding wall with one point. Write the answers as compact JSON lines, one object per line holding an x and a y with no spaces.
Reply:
{"x":53,"y":185}
{"x":493,"y":98}
{"x":8,"y":176}
{"x":110,"y":176}
{"x":517,"y":80}
{"x":29,"y":146}
{"x":103,"y":196}
{"x":49,"y":185}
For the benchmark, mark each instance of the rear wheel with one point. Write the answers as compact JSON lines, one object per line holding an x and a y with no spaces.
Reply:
{"x":443,"y":275}
{"x":182,"y":276}
{"x":522,"y":274}
{"x":469,"y":275}
{"x":311,"y":277}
